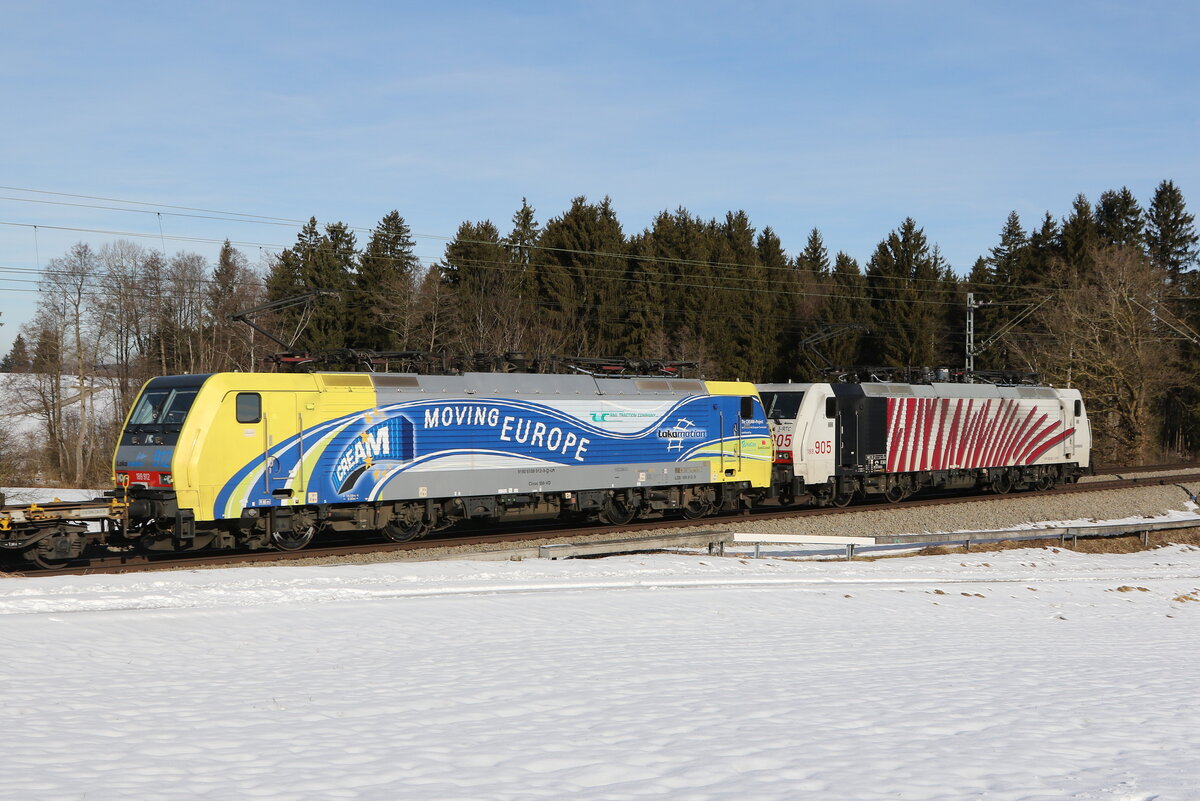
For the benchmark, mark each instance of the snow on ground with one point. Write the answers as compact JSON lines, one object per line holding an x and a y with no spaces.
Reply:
{"x":22,"y":495}
{"x":1190,"y":513}
{"x":1030,"y":674}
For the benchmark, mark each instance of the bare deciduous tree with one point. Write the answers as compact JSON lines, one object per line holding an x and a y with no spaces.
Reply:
{"x":1104,"y":341}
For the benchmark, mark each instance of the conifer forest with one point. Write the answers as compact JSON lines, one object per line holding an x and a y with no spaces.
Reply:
{"x":1103,"y":296}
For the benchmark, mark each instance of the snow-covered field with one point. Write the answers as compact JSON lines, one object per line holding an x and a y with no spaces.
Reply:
{"x":1028,"y":674}
{"x":21,"y":495}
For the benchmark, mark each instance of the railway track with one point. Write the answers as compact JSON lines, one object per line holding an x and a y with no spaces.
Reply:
{"x":132,"y":561}
{"x":1140,"y":469}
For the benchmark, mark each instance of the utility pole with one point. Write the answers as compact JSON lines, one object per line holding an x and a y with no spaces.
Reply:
{"x":969,"y":361}
{"x":973,"y":350}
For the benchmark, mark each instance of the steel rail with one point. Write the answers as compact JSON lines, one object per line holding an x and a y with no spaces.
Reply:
{"x":135,"y":561}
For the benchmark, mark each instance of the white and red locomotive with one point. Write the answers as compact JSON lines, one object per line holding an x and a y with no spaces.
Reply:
{"x":836,"y":441}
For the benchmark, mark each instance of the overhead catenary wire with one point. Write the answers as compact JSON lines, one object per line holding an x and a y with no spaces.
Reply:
{"x":620,"y":272}
{"x":664,"y":282}
{"x":670,"y":315}
{"x":232,"y":216}
{"x":714,"y":270}
{"x":94,"y":286}
{"x":97,"y":288}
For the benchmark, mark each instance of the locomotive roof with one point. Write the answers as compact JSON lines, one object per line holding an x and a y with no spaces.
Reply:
{"x":527,"y":384}
{"x":884,"y":389}
{"x":942,"y":390}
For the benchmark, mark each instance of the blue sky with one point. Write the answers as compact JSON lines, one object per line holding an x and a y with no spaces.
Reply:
{"x":847,"y":117}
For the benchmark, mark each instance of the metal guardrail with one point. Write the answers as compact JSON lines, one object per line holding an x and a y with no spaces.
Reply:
{"x":716,"y":541}
{"x":967,"y":538}
{"x":802,"y":539}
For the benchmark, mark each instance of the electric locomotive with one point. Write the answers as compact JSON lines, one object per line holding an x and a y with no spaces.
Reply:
{"x":269,"y":459}
{"x":834,"y":442}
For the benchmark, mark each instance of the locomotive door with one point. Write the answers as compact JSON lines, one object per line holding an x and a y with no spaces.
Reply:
{"x":815,"y":447}
{"x":1068,"y":418}
{"x":283,"y":469}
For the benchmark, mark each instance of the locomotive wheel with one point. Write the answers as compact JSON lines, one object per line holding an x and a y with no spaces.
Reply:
{"x":842,"y":499}
{"x":617,"y":512}
{"x":1044,"y":482}
{"x":400,"y":530}
{"x":1002,"y":485}
{"x":695,"y":509}
{"x":895,"y":493}
{"x":294,"y":539}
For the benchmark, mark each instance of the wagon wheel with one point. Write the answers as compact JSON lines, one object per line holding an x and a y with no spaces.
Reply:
{"x":45,"y":562}
{"x":293,"y":539}
{"x":617,"y":511}
{"x":56,"y":550}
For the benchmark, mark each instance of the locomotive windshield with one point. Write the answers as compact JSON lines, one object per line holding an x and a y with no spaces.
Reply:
{"x":782,"y":405}
{"x":165,"y":403}
{"x":164,"y":406}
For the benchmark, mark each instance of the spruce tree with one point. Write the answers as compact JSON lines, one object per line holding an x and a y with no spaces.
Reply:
{"x":1045,"y":250}
{"x":522,"y":243}
{"x":317,"y":262}
{"x":981,"y":277}
{"x":1171,"y":232}
{"x":904,"y":286}
{"x":747,"y":337}
{"x":778,"y":270}
{"x":330,"y":269}
{"x":1080,"y":237}
{"x":579,"y":278}
{"x":689,"y":296}
{"x":233,"y":287}
{"x":846,"y":302}
{"x":948,"y":344}
{"x":482,"y":282}
{"x":17,"y":360}
{"x":800,"y":304}
{"x":1010,"y":260}
{"x":1171,"y":246}
{"x":383,"y":287}
{"x":1120,"y":220}
{"x":814,"y":258}
{"x":645,"y":330}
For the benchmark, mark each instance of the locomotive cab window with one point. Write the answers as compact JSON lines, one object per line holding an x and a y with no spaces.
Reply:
{"x":747,"y":410}
{"x":782,"y":405}
{"x":1078,"y":408}
{"x":163,"y":406}
{"x":248,"y":407}
{"x":831,"y":408}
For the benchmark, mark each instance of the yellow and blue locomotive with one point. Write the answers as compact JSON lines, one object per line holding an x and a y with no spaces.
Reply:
{"x":269,"y":459}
